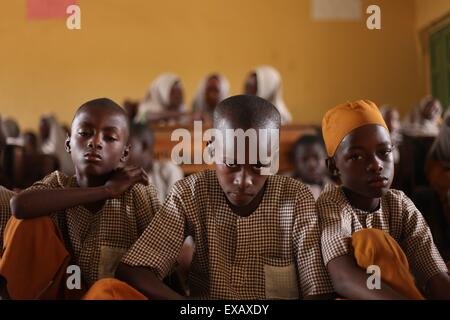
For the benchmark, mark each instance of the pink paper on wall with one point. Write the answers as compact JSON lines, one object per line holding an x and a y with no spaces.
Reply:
{"x":47,"y":9}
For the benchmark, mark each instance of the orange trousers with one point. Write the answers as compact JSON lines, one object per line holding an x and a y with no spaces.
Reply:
{"x":34,"y":263}
{"x":376,"y":247}
{"x":112,"y":289}
{"x":34,"y":260}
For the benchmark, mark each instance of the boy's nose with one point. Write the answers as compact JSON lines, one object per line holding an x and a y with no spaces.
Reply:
{"x":95,"y":142}
{"x":243,"y":179}
{"x":375,"y":165}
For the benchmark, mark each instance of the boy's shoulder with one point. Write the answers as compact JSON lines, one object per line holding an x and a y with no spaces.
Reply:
{"x":144,"y":190}
{"x":197,"y":183}
{"x":399,"y":200}
{"x":333,"y":195}
{"x":287,"y":186}
{"x":57,"y":179}
{"x":6,"y":194}
{"x":207,"y":180}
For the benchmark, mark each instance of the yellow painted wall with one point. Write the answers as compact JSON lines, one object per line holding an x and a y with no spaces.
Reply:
{"x":124,"y":44}
{"x":429,"y":11}
{"x":427,"y":14}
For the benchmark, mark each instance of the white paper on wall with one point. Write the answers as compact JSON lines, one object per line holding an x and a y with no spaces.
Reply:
{"x":332,"y":10}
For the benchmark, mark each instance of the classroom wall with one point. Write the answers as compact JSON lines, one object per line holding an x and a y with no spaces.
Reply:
{"x":123,"y":45}
{"x":428,"y":13}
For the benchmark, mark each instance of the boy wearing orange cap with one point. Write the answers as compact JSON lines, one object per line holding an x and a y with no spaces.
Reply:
{"x":375,"y":243}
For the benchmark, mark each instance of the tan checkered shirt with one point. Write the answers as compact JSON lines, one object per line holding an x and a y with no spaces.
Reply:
{"x":98,"y":241}
{"x":5,"y":211}
{"x":274,"y":253}
{"x":397,"y":216}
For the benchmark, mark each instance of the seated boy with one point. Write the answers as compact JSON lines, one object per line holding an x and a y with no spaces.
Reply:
{"x":309,"y":163}
{"x":367,"y":227}
{"x":5,"y":214}
{"x":90,"y":219}
{"x":162,"y":173}
{"x":5,"y":210}
{"x":256,"y":235}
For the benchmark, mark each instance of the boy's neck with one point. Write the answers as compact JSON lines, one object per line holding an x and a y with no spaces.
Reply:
{"x":360,"y":202}
{"x":87,"y":181}
{"x":247,"y":210}
{"x":149,"y":167}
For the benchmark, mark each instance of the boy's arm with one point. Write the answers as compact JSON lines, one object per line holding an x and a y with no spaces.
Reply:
{"x":438,"y":287}
{"x":314,"y":281}
{"x":146,"y":205}
{"x":423,"y":256}
{"x":40,"y":202}
{"x":145,"y":281}
{"x":36,"y":203}
{"x":350,"y":281}
{"x":154,"y":255}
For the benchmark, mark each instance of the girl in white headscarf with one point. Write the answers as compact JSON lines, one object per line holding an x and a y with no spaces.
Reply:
{"x":52,"y":142}
{"x":212,"y":89}
{"x":424,"y":121}
{"x":438,"y":165}
{"x":265,"y":82}
{"x":391,"y":117}
{"x":164,"y":99}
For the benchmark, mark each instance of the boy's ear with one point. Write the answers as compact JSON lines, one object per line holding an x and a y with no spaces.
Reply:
{"x":125,"y":154}
{"x":210,"y":148}
{"x":331,"y":165}
{"x":68,"y":144}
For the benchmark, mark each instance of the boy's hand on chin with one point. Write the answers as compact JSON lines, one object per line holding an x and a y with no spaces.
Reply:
{"x":123,"y":178}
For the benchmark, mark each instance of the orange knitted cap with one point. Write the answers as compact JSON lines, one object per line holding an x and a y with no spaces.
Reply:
{"x":344,"y":118}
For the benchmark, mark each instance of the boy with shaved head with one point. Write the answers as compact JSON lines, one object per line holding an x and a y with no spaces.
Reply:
{"x":90,"y":219}
{"x":367,"y":227}
{"x":256,"y":235}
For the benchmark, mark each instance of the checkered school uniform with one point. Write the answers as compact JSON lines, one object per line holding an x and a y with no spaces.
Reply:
{"x":274,"y":253}
{"x":397,"y":216}
{"x":5,"y":211}
{"x":97,"y":241}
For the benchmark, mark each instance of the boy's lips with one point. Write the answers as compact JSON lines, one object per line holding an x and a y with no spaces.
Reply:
{"x":239,"y":196}
{"x":378,"y":182}
{"x":92,"y":156}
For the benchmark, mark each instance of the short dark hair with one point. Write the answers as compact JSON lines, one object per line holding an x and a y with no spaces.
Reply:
{"x":248,"y":111}
{"x":142,"y":131}
{"x":309,"y":139}
{"x":104,"y":103}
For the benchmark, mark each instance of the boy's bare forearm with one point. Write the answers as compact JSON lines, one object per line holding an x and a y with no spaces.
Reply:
{"x":350,"y":281}
{"x":438,"y":287}
{"x":145,"y":281}
{"x":37,"y":203}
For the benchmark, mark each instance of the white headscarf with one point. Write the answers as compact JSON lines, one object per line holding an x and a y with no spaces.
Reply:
{"x":158,"y":96}
{"x":199,"y":103}
{"x":396,"y":136}
{"x":55,"y":145}
{"x":441,"y":146}
{"x":270,"y":88}
{"x":416,"y":125}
